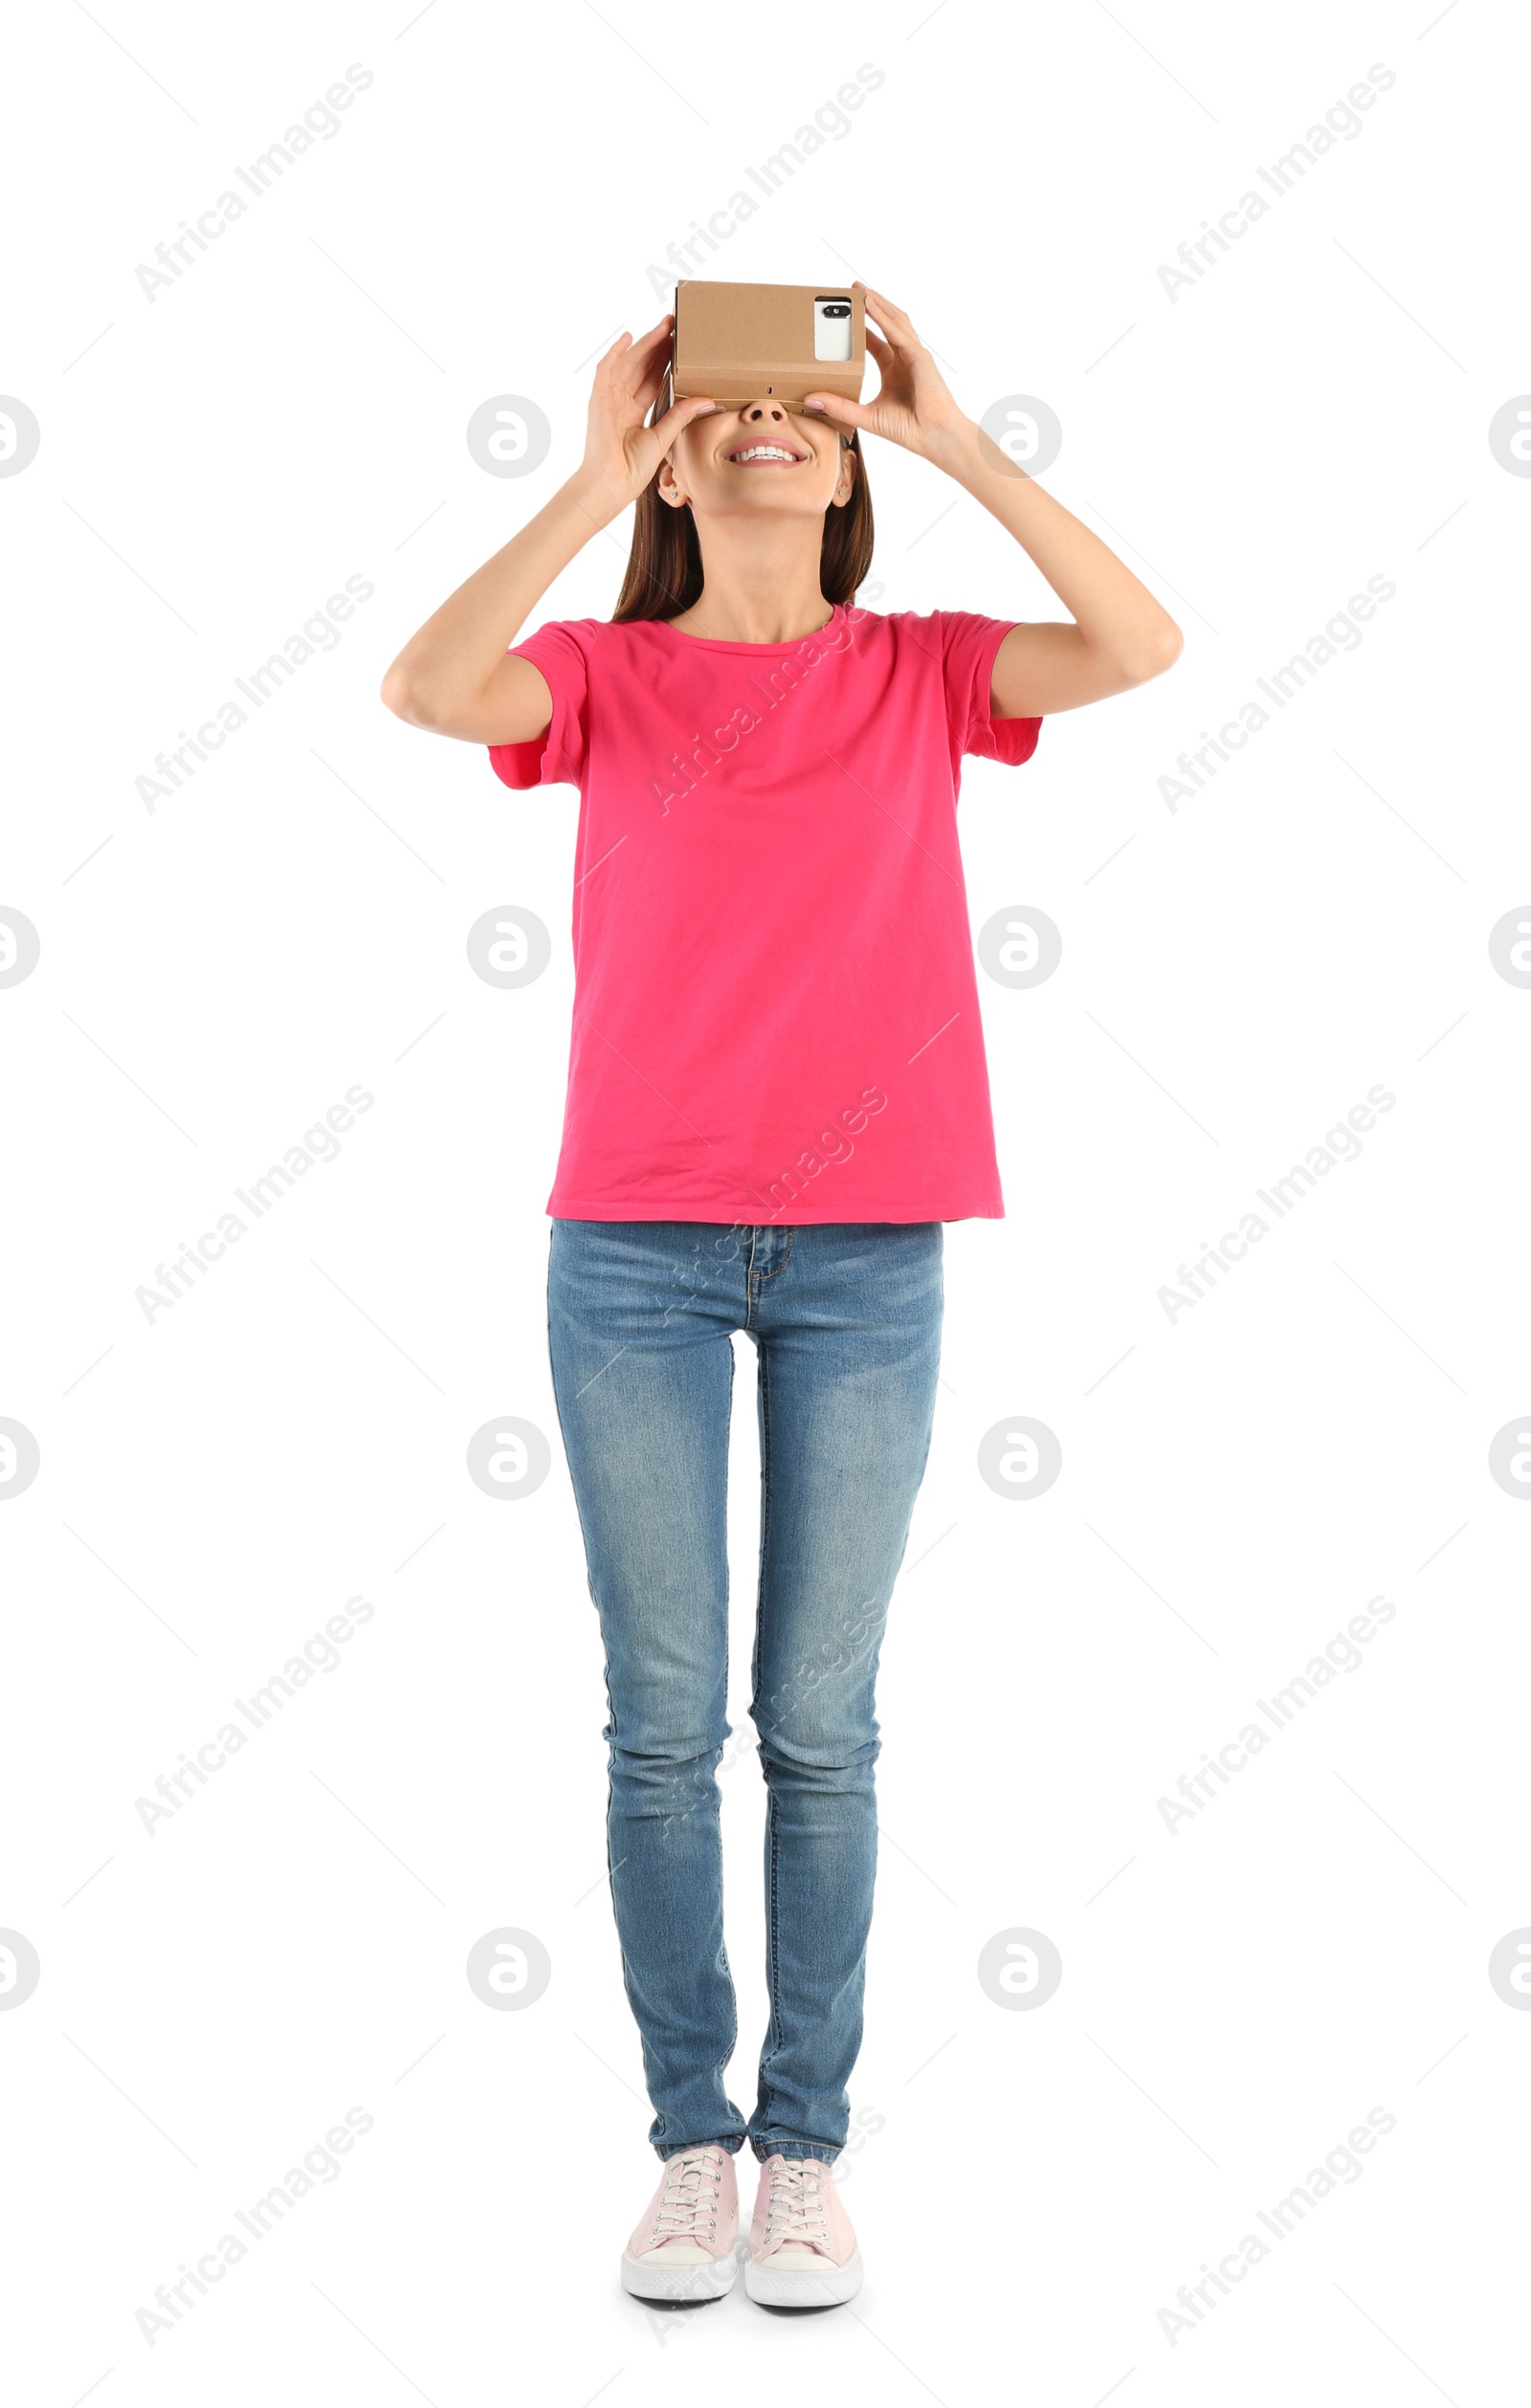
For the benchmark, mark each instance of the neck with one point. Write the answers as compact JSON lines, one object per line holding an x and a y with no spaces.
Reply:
{"x":760,"y":585}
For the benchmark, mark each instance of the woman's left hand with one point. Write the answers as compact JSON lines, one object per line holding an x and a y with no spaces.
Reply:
{"x":912,"y":405}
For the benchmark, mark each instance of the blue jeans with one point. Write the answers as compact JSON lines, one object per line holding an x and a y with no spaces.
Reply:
{"x":846,"y":1322}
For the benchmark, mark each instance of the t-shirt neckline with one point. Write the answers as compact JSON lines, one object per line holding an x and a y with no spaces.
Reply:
{"x":725,"y":644}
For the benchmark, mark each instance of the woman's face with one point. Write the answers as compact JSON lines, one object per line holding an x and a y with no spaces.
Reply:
{"x":763,"y":458}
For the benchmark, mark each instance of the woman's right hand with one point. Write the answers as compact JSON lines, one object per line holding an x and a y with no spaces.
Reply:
{"x":621,"y":454}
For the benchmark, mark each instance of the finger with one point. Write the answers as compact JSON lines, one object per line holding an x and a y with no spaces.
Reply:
{"x":653,"y":384}
{"x":840,"y":412}
{"x":880,"y":351}
{"x":896,"y":341}
{"x":677,"y":420}
{"x":624,"y":344}
{"x":895,"y":322}
{"x":638,"y":362}
{"x":884,"y":309}
{"x":652,"y":357}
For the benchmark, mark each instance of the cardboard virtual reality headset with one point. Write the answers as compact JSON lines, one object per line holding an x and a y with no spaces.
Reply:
{"x":742,"y":342}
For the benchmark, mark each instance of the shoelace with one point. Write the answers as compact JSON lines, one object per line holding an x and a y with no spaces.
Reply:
{"x":688,"y":2208}
{"x":794,"y":2211}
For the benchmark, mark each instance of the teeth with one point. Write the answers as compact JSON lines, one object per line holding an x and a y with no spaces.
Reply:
{"x":764,"y":451}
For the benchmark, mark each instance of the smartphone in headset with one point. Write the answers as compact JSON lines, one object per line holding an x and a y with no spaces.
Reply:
{"x":832,"y":327}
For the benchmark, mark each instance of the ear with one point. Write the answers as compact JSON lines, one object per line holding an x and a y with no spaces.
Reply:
{"x":847,"y":479}
{"x":669,"y":489}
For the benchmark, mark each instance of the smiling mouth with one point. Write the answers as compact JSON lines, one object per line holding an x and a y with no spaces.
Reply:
{"x":764,"y":455}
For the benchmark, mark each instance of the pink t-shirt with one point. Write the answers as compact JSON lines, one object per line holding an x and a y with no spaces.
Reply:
{"x":775,"y":1010}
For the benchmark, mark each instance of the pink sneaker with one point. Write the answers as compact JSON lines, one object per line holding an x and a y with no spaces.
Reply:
{"x":802,"y":2249}
{"x":684,"y":2247}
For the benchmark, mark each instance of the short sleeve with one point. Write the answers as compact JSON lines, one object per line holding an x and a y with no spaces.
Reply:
{"x":968,"y":646}
{"x":561,"y":649}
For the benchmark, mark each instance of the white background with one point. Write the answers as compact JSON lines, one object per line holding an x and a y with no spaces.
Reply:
{"x":1033,"y":2188}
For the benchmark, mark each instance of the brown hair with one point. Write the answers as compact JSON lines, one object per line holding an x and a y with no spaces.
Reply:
{"x":664,"y":566}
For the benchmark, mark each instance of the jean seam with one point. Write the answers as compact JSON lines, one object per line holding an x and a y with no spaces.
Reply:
{"x":718,"y":1808}
{"x":761,"y":1276}
{"x":729,"y":1976}
{"x":773,"y":1934}
{"x":763,"y":1388}
{"x":773,"y":1961}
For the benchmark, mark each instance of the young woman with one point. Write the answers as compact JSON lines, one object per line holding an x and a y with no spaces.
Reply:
{"x":777,"y":1097}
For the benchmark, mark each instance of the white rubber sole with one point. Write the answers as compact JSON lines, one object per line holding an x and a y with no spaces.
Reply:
{"x":679,"y":2281}
{"x":802,"y":2285}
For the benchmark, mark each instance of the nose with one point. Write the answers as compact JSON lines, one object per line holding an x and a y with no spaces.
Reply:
{"x":760,"y":412}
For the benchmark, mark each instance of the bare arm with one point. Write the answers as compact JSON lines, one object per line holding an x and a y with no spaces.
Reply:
{"x":455,"y":676}
{"x":1121,"y":636}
